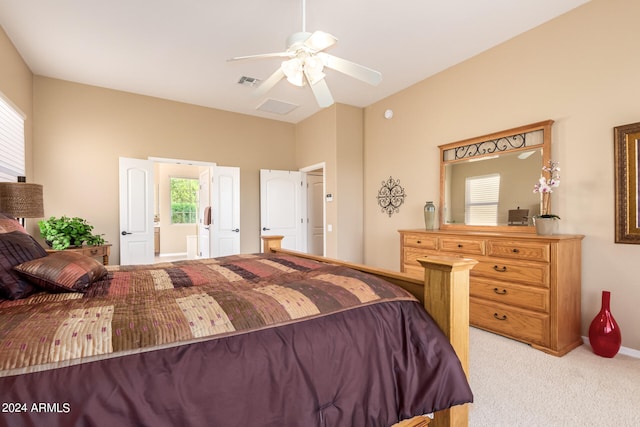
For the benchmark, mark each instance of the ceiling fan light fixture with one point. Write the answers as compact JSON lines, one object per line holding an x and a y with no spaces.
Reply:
{"x":294,"y":71}
{"x":313,"y":69}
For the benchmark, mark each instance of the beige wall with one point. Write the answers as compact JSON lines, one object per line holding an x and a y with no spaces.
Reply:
{"x":80,"y":132}
{"x":350,"y":183}
{"x":316,"y":142}
{"x":335,"y":136}
{"x":580,"y":70}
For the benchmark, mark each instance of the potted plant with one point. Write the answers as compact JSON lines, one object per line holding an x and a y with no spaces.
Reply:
{"x":546,"y":222}
{"x":61,"y":233}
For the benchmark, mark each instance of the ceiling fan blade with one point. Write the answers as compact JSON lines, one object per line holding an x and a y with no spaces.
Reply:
{"x":322,"y":93}
{"x":269,"y":83}
{"x":320,"y":40}
{"x":262,"y":55}
{"x":352,"y":69}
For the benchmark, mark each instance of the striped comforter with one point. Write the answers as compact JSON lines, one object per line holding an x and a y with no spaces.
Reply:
{"x":142,"y":308}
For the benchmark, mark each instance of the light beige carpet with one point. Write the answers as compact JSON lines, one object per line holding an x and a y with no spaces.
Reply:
{"x":516,"y":385}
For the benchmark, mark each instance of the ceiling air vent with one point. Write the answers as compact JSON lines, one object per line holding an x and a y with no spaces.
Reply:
{"x":277,"y":107}
{"x":248,"y":81}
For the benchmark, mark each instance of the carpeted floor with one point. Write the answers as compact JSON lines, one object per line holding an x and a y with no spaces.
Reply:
{"x":516,"y":385}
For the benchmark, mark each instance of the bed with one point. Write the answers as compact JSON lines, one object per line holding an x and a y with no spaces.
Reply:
{"x":269,"y":339}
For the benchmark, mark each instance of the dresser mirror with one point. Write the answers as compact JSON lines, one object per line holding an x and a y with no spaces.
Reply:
{"x":486,"y":183}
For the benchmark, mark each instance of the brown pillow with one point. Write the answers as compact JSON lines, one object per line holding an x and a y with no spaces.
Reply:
{"x":9,"y":224}
{"x":17,"y":247}
{"x":63,"y":271}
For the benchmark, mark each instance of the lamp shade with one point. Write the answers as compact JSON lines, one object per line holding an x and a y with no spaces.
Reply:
{"x":21,"y":199}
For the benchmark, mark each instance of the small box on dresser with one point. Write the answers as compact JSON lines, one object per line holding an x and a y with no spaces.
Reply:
{"x":525,"y":286}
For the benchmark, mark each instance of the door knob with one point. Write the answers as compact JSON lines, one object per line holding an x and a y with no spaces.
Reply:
{"x":237,"y":230}
{"x":124,"y":233}
{"x":265,"y":229}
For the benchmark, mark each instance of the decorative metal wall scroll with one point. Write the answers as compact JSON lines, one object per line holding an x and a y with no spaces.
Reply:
{"x":391,"y":196}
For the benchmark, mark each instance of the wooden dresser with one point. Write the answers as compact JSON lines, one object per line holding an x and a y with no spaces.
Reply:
{"x":525,"y":286}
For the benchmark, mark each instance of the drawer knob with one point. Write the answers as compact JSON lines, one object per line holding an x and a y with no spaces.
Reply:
{"x":516,"y":250}
{"x":503,"y":317}
{"x":501,"y":270}
{"x":459,"y":245}
{"x":94,"y":251}
{"x":500,"y":292}
{"x":419,"y":241}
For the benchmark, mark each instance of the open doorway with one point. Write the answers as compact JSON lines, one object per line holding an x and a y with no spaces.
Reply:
{"x":316,"y":212}
{"x":178,"y":210}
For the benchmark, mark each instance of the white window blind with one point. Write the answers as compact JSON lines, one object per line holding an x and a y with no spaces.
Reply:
{"x":481,"y":199}
{"x":11,"y":142}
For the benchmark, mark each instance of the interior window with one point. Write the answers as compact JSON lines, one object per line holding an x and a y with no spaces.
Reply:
{"x":184,"y":200}
{"x":482,"y":194}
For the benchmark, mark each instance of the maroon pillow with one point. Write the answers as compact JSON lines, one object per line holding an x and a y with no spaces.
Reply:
{"x":62,"y":271}
{"x":17,"y":247}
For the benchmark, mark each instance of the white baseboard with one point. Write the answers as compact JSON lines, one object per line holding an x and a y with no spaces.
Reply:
{"x":175,"y":254}
{"x":623,"y":350}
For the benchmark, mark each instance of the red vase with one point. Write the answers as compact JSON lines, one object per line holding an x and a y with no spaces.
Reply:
{"x":604,"y":332}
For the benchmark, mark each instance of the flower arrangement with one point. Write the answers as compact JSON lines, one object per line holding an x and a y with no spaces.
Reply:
{"x":549,"y":180}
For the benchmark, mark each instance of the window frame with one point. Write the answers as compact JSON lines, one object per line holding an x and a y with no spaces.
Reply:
{"x":194,"y":214}
{"x":12,"y":141}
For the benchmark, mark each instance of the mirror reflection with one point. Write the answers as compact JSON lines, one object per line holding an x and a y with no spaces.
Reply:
{"x":482,"y":191}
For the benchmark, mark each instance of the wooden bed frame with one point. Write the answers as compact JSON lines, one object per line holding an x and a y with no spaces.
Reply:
{"x":445,"y":296}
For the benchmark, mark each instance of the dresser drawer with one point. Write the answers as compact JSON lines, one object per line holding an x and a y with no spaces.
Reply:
{"x":411,"y":256}
{"x":463,"y":246}
{"x":523,"y":325}
{"x":533,"y":251}
{"x":92,"y":251}
{"x":103,"y":251}
{"x":527,"y":297}
{"x":416,"y":240}
{"x":512,"y":271}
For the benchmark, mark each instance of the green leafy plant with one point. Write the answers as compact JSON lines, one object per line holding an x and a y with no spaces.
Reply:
{"x":60,"y":233}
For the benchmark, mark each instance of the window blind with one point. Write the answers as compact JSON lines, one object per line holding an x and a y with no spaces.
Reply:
{"x":11,"y":142}
{"x":481,"y":199}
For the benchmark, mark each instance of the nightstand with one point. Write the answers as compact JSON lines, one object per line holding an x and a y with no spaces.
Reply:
{"x":93,"y":251}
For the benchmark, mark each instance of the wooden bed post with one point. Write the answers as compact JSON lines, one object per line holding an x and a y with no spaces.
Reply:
{"x":271,"y":242}
{"x":446,"y":298}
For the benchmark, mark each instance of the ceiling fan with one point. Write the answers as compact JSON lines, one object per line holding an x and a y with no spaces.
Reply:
{"x":306,"y":62}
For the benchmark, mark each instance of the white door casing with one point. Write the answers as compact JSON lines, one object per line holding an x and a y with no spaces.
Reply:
{"x":281,"y":200}
{"x":204,"y":202}
{"x":225,"y":237}
{"x":136,"y":211}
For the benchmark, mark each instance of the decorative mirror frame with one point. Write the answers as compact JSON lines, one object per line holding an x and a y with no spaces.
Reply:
{"x":492,"y":140}
{"x":626,"y":145}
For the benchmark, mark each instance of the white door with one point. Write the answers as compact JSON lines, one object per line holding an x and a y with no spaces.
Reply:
{"x":204,"y":213}
{"x":136,"y":211}
{"x":281,"y":207}
{"x":315,"y":213}
{"x":225,"y":236}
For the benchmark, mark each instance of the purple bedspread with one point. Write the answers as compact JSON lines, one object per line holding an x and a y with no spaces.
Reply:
{"x":372,"y":364}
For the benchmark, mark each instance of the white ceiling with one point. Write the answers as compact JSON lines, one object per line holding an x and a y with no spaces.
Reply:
{"x":178,"y":49}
